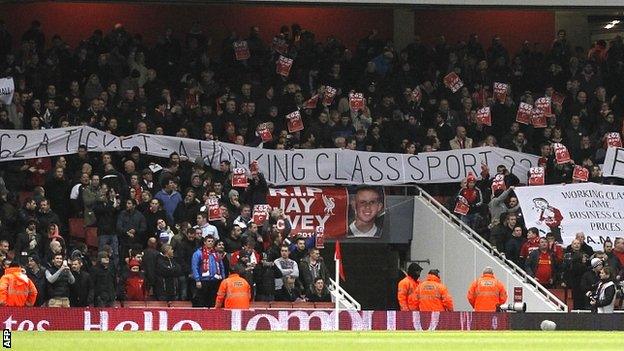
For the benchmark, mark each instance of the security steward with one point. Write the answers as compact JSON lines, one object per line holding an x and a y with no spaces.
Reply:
{"x":16,"y":289}
{"x":234,"y":291}
{"x":432,"y":295}
{"x":407,"y":288}
{"x":486,"y":293}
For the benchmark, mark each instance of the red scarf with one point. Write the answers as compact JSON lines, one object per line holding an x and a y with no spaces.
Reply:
{"x":206,"y":259}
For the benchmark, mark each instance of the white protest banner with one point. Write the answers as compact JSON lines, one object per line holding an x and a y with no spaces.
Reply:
{"x":594,"y":209}
{"x":614,"y":163}
{"x":7,"y":88}
{"x":290,"y":167}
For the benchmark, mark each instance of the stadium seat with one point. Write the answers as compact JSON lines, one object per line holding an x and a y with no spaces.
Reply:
{"x":281,"y":304}
{"x":157,"y":304}
{"x":180,"y":304}
{"x":134,"y":304}
{"x":303,"y":305}
{"x":91,"y":237}
{"x":324,"y":305}
{"x":259,"y":305}
{"x":76,"y":228}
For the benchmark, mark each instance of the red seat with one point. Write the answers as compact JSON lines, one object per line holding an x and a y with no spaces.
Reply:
{"x":324,"y":305}
{"x":302,"y":305}
{"x":91,"y":237}
{"x":76,"y":228}
{"x":281,"y":304}
{"x":157,"y":304}
{"x":180,"y":304}
{"x":260,"y":305}
{"x":134,"y":304}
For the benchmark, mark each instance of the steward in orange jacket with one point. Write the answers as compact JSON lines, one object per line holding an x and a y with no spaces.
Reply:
{"x":433,"y":295}
{"x":16,"y":289}
{"x":234,"y":290}
{"x":486,"y":293}
{"x":406,"y":293}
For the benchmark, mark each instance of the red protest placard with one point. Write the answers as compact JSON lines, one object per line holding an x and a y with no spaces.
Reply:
{"x":239,"y":178}
{"x":283,"y":66}
{"x":214,"y":211}
{"x":537,"y":176}
{"x":260,"y":214}
{"x":280,"y":45}
{"x":312,"y":102}
{"x":453,"y":82}
{"x":311,"y":207}
{"x":328,"y":96}
{"x":538,"y":119}
{"x":461,"y":206}
{"x":525,"y":111}
{"x":543,"y":104}
{"x":500,"y":92}
{"x":614,"y":139}
{"x":265,"y":134}
{"x":562,"y":155}
{"x":241,"y":50}
{"x":580,"y":173}
{"x":484,"y":116}
{"x":294,"y":121}
{"x":498,"y":183}
{"x":356,"y":101}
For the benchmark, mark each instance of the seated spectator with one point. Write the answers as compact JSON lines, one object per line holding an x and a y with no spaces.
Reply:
{"x":289,"y":292}
{"x":285,"y":266}
{"x":319,"y":292}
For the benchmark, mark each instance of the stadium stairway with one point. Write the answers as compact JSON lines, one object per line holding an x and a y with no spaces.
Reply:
{"x":440,"y":240}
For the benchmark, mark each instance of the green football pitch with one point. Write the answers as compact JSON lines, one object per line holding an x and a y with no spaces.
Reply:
{"x":301,"y":341}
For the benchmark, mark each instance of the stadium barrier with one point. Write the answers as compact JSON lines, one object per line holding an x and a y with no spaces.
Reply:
{"x":164,"y":319}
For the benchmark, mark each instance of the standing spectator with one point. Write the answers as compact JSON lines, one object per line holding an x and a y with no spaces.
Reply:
{"x":615,"y":254}
{"x":587,"y":250}
{"x":473,"y":196}
{"x":502,"y":232}
{"x":531,"y":244}
{"x":187,"y":210}
{"x":134,"y":286}
{"x":81,"y":292}
{"x":152,"y":214}
{"x":300,"y":250}
{"x":542,"y":265}
{"x":206,"y":228}
{"x":104,"y":282}
{"x":163,"y":234}
{"x":406,"y":294}
{"x":310,"y":268}
{"x":131,"y":226}
{"x":28,"y":243}
{"x":234,"y":292}
{"x":286,"y":267}
{"x":170,"y":198}
{"x":59,"y":280}
{"x":486,"y":293}
{"x":603,"y":298}
{"x":514,"y":245}
{"x":168,"y":272}
{"x":460,"y":141}
{"x":575,"y":266}
{"x":106,"y":209}
{"x":590,"y":280}
{"x":36,"y":273}
{"x":234,"y":241}
{"x":46,"y":216}
{"x":432,"y":295}
{"x":183,"y":253}
{"x":16,"y":289}
{"x":208,"y":272}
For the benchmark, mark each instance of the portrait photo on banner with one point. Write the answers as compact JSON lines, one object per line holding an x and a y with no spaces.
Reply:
{"x":366,"y":212}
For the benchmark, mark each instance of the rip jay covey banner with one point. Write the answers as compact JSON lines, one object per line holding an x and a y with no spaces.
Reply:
{"x":594,"y":209}
{"x":290,"y":167}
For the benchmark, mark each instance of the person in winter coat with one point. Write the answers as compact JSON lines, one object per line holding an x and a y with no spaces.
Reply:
{"x":474,"y":199}
{"x":603,"y":298}
{"x":590,"y":280}
{"x":575,"y":266}
{"x":183,"y":254}
{"x":131,"y":227}
{"x":81,"y":292}
{"x":134,"y":287}
{"x":486,"y":293}
{"x":28,"y":243}
{"x":406,"y":294}
{"x":36,"y":273}
{"x":208,"y":271}
{"x":167,"y":273}
{"x":59,"y":279}
{"x":16,"y":289}
{"x":432,"y":295}
{"x":104,"y":287}
{"x":234,"y":292}
{"x":106,"y":208}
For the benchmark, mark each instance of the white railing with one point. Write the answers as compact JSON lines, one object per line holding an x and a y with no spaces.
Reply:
{"x":347,"y":302}
{"x":470,"y":233}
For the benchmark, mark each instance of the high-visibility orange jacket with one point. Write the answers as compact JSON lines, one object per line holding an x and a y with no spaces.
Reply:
{"x":16,"y":289}
{"x":486,"y":293}
{"x":235,"y":291}
{"x":433,"y":295}
{"x":406,"y":294}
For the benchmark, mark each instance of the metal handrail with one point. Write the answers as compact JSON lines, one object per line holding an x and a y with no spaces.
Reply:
{"x":342,"y":296}
{"x":492,"y":250}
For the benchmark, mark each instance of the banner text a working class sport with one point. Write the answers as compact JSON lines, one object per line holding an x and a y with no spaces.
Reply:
{"x":280,"y":167}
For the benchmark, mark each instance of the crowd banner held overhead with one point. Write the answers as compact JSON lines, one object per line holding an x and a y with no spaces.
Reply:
{"x":7,"y":88}
{"x":290,"y":167}
{"x":614,"y":163}
{"x":311,"y":207}
{"x":594,"y":209}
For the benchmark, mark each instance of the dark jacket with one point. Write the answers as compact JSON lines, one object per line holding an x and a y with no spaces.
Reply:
{"x":127,"y":221}
{"x":106,"y":216}
{"x":533,"y":260}
{"x":39,"y":279}
{"x":59,"y":286}
{"x":305,"y":273}
{"x":81,"y":292}
{"x":183,"y":254}
{"x":104,"y":284}
{"x":167,"y":273}
{"x":284,"y":294}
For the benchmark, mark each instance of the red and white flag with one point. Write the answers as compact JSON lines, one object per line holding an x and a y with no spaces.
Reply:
{"x":537,"y":176}
{"x":294,"y":122}
{"x":241,"y":50}
{"x":283,"y":66}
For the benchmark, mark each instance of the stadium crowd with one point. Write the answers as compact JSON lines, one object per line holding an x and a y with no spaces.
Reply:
{"x":155,"y":236}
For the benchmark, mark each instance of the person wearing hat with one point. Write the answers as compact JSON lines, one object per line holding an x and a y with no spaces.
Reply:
{"x":36,"y":273}
{"x":16,"y":289}
{"x":486,"y":293}
{"x":590,"y":279}
{"x":406,"y":294}
{"x":432,"y":295}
